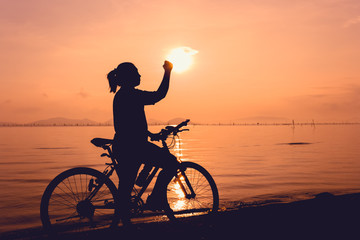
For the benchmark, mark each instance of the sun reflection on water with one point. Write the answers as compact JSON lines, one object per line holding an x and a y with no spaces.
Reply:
{"x":179,"y":201}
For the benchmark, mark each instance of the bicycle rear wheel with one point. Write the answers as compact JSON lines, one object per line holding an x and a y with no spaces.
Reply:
{"x":193,"y":191}
{"x":79,"y":199}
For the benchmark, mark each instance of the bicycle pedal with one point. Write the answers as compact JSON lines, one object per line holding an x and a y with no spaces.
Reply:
{"x":91,"y":185}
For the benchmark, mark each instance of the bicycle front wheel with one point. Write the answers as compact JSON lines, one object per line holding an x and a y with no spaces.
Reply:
{"x":192,"y":191}
{"x":79,"y":199}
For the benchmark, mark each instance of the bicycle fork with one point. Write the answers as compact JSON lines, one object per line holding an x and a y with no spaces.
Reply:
{"x":180,"y":177}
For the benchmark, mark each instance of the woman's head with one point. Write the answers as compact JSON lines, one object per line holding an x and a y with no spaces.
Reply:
{"x":125,"y":75}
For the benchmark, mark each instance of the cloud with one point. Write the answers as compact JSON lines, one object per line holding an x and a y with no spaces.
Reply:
{"x":338,"y":103}
{"x":7,"y":101}
{"x":352,"y":22}
{"x":82,"y":94}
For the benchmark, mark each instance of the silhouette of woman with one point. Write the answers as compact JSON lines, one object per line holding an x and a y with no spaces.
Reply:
{"x":131,"y":146}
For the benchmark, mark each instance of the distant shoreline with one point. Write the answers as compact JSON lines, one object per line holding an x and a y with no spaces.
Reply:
{"x":193,"y":124}
{"x":256,"y":121}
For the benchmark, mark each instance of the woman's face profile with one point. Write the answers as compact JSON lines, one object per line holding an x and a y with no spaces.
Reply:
{"x":131,"y":76}
{"x":136,"y":77}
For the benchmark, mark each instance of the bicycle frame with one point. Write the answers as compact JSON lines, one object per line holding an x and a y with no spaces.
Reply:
{"x":149,"y":179}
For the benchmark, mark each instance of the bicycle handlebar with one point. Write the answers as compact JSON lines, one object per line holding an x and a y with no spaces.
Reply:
{"x":168,"y":130}
{"x":183,"y":124}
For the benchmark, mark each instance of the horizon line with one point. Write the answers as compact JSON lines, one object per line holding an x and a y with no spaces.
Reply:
{"x":194,"y":124}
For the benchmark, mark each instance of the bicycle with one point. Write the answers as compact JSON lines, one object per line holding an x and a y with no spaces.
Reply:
{"x":81,"y":199}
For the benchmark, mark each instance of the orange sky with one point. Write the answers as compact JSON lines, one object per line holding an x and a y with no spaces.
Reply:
{"x":276,"y":58}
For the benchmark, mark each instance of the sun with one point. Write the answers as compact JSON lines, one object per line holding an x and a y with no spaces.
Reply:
{"x":181,"y":58}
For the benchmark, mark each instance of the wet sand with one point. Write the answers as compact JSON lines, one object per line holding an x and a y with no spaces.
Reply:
{"x":324,"y":217}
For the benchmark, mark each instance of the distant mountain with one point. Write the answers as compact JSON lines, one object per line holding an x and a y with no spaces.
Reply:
{"x":8,"y":124}
{"x":175,"y":121}
{"x":353,"y":120}
{"x":152,"y":121}
{"x":108,"y":122}
{"x":60,"y":121}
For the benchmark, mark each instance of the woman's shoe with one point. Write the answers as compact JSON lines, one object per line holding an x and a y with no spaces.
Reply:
{"x":156,"y":203}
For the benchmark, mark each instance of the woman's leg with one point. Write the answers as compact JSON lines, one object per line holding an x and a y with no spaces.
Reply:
{"x":162,"y":158}
{"x":126,"y":170}
{"x":127,"y":175}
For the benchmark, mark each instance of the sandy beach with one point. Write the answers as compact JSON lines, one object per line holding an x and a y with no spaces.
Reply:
{"x":324,"y":217}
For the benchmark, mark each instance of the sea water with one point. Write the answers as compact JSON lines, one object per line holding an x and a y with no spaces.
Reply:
{"x":248,"y":163}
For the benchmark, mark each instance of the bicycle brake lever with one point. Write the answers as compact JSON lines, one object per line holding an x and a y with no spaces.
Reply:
{"x":182,"y":130}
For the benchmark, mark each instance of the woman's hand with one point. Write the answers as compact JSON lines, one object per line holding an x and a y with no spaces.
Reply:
{"x":168,"y":66}
{"x":154,"y":136}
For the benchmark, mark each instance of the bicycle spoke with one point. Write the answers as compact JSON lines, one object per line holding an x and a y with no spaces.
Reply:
{"x":65,"y":199}
{"x":100,"y":194}
{"x":70,"y":192}
{"x":74,"y":215}
{"x":77,"y":192}
{"x":71,"y":189}
{"x":59,"y":202}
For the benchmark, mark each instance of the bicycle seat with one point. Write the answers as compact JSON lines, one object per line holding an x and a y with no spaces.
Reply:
{"x":101,"y":142}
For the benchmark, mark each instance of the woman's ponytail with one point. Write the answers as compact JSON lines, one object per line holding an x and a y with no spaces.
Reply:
{"x":120,"y":76}
{"x":112,"y":81}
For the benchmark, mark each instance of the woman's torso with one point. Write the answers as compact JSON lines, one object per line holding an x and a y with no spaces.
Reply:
{"x":129,"y":117}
